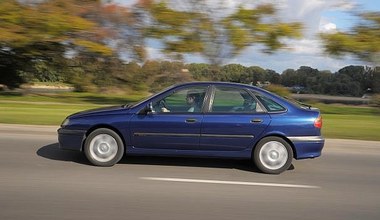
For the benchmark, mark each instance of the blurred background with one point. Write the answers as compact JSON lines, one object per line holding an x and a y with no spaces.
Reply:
{"x":61,"y":56}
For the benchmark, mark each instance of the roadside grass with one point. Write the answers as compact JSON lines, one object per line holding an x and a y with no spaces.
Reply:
{"x":52,"y":109}
{"x":350,"y":122}
{"x":39,"y":113}
{"x":340,"y":121}
{"x":360,"y":127}
{"x":339,"y":109}
{"x":71,"y":97}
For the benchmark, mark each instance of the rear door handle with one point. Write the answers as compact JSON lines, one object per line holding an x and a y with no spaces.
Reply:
{"x":256,"y":120}
{"x":191,"y":120}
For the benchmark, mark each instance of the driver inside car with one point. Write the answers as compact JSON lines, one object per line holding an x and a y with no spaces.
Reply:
{"x":192,"y":101}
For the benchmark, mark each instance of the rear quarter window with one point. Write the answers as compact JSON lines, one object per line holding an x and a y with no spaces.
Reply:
{"x":270,"y":105}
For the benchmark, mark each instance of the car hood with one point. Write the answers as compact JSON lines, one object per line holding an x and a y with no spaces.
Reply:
{"x":101,"y":111}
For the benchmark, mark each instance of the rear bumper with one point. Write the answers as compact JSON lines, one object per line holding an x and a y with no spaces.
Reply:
{"x":71,"y":139}
{"x":307,"y":146}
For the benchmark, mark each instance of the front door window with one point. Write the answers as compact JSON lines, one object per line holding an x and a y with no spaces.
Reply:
{"x":187,"y":100}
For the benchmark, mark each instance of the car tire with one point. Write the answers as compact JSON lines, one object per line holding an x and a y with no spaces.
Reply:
{"x":104,"y":147}
{"x":273,"y":155}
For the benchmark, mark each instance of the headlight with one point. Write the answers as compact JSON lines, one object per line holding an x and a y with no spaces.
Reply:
{"x":65,"y":122}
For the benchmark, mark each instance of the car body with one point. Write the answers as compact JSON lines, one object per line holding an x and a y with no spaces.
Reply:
{"x":200,"y":119}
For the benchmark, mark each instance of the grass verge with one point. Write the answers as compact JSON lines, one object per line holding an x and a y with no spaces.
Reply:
{"x":52,"y":109}
{"x":360,"y":127}
{"x":38,"y":113}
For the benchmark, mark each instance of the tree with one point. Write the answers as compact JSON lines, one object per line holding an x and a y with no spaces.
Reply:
{"x":199,"y":71}
{"x":373,"y":76}
{"x":44,"y":31}
{"x":158,"y":75}
{"x":289,"y":78}
{"x":123,"y":27}
{"x":257,"y":74}
{"x":273,"y":76}
{"x":363,"y":40}
{"x":204,"y":29}
{"x":233,"y":73}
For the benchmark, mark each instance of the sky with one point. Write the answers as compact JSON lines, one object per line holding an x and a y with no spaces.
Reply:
{"x":318,"y":16}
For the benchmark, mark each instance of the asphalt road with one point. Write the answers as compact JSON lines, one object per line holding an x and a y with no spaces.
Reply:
{"x":38,"y":181}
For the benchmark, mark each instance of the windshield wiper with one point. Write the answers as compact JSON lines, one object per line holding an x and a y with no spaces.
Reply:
{"x":126,"y":106}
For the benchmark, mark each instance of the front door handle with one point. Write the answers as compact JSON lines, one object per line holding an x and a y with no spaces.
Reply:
{"x":191,"y":120}
{"x":256,"y":120}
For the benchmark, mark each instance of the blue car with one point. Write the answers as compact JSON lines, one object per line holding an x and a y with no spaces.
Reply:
{"x":200,"y":119}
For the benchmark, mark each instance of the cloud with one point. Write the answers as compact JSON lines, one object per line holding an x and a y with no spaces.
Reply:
{"x":304,"y":46}
{"x":345,"y":5}
{"x":310,"y":12}
{"x":327,"y":27}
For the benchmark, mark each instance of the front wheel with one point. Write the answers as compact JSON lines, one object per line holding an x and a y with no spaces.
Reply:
{"x":273,"y":155}
{"x":103,"y":147}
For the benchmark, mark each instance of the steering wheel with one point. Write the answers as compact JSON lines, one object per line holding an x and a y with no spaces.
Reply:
{"x":160,"y":105}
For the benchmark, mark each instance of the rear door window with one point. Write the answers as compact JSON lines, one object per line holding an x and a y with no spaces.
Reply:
{"x":234,"y":100}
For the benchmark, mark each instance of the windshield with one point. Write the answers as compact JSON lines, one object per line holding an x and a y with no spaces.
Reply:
{"x":132,"y":105}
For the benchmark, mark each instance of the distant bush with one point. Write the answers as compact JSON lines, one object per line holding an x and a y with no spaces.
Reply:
{"x":82,"y":82}
{"x":375,"y":102}
{"x":278,"y":89}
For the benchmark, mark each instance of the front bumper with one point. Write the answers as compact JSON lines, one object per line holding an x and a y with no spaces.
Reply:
{"x":307,"y":146}
{"x":71,"y":139}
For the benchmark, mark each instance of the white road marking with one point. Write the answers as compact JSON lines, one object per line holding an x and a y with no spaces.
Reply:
{"x":230,"y":182}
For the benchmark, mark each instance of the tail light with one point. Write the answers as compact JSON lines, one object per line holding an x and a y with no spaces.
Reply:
{"x":318,"y":122}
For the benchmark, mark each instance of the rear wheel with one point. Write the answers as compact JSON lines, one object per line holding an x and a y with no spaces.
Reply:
{"x":273,"y":155}
{"x":104,"y":147}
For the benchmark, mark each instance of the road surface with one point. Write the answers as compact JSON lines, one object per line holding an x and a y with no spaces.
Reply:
{"x":38,"y":181}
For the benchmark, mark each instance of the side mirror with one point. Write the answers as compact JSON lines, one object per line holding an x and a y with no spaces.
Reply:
{"x":147,"y":110}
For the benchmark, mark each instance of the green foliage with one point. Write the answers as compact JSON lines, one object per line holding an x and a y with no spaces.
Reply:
{"x":196,"y":30}
{"x":89,"y":74}
{"x":200,"y":71}
{"x":348,"y":81}
{"x":49,"y":21}
{"x":83,"y":82}
{"x":233,"y":73}
{"x":374,"y":79}
{"x":35,"y":36}
{"x":164,"y":74}
{"x":42,"y":71}
{"x":246,"y":27}
{"x":362,"y":41}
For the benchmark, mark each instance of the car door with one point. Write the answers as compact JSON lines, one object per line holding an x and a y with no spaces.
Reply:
{"x":234,"y":120}
{"x":174,"y":122}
